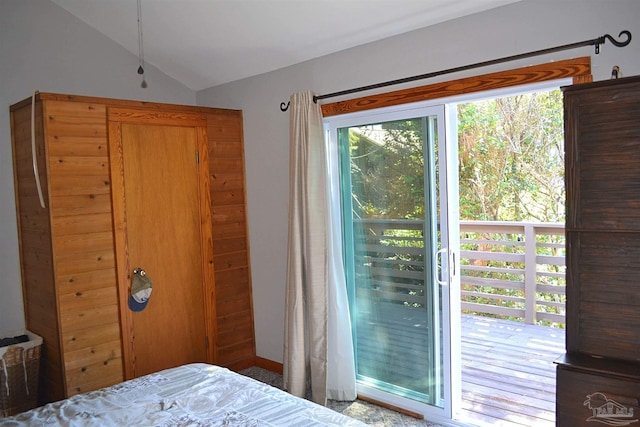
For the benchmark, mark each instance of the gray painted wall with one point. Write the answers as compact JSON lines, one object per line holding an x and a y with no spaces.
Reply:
{"x":43,"y":47}
{"x":517,"y":28}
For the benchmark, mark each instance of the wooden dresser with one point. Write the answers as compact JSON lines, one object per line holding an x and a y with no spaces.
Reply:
{"x":598,"y":381}
{"x":115,"y":178}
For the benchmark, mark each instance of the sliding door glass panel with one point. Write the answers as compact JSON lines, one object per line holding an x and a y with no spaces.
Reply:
{"x":392,"y":244}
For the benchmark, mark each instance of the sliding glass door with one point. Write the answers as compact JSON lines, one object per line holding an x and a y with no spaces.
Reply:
{"x":396,"y":217}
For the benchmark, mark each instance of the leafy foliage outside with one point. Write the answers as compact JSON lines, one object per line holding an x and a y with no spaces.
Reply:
{"x":387,"y":184}
{"x":511,"y":168}
{"x":387,"y":170}
{"x":511,"y":154}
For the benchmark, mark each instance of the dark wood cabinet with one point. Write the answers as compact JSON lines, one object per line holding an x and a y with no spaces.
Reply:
{"x":602,"y":148}
{"x":602,"y":137}
{"x":594,"y":390}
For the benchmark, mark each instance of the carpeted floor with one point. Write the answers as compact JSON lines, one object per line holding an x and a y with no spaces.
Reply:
{"x":366,"y":412}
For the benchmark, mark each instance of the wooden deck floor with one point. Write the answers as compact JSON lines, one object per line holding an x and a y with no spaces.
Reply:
{"x":508,"y":375}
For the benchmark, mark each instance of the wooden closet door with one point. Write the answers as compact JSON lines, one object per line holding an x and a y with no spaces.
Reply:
{"x":158,"y":210}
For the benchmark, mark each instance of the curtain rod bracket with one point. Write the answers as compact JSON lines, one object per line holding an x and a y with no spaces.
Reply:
{"x":597,"y":42}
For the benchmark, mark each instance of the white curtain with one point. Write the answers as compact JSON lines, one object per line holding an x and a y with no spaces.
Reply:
{"x":318,"y":351}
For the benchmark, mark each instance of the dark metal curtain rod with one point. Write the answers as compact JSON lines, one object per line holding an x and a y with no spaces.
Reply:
{"x":597,"y":42}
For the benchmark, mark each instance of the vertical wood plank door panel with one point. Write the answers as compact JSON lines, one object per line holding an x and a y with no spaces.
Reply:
{"x":160,"y":232}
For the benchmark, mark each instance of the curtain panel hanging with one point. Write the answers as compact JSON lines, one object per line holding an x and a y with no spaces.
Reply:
{"x":315,"y":282}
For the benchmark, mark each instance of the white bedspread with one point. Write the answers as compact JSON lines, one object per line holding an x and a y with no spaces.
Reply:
{"x":190,"y":395}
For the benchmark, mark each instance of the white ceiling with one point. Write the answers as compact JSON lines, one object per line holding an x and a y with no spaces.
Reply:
{"x":204,"y":43}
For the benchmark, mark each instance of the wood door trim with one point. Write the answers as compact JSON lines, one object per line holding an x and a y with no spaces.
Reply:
{"x":120,"y":243}
{"x":578,"y":68}
{"x":206,"y":231}
{"x":166,"y":118}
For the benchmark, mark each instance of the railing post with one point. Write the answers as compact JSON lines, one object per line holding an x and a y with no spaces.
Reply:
{"x":530,"y":266}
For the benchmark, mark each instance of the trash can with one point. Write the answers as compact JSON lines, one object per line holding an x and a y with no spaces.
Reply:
{"x":19,"y":372}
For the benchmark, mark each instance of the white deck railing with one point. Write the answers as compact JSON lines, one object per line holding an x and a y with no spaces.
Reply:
{"x":514,"y":270}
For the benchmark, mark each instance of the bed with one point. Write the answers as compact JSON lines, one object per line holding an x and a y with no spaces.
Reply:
{"x":190,"y":395}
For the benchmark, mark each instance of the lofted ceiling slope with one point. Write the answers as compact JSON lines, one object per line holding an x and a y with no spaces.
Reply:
{"x":205,"y":43}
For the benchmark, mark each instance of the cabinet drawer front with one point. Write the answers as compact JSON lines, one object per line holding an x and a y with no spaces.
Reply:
{"x":585,"y":399}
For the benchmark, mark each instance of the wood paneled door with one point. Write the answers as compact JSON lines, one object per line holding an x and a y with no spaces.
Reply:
{"x":160,"y":197}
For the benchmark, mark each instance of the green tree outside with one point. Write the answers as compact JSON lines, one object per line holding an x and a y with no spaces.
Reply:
{"x":511,"y":168}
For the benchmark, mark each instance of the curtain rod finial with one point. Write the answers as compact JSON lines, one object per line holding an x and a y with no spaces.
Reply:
{"x":284,"y":107}
{"x":622,"y":43}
